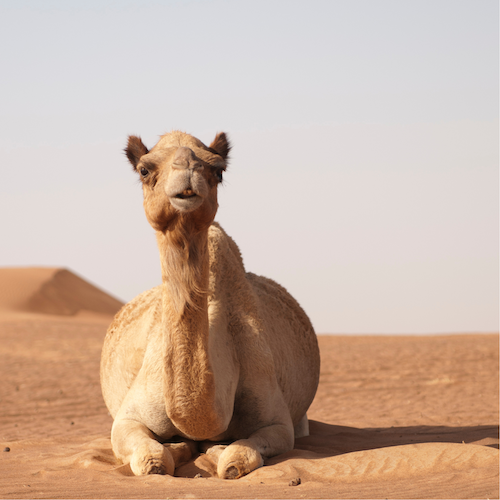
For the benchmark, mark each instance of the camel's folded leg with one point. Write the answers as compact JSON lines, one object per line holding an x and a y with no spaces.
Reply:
{"x":183,"y":451}
{"x":133,"y":442}
{"x":245,"y":455}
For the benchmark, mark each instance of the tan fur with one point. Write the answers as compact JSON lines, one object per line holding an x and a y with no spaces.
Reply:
{"x":214,"y":353}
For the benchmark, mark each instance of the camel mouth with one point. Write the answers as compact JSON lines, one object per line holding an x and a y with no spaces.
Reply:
{"x":186,"y":201}
{"x":186,"y":194}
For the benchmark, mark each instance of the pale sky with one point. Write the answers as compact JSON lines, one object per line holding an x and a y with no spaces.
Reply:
{"x":364,"y":174}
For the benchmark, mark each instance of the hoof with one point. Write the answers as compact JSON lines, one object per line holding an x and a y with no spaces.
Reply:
{"x":238,"y":459}
{"x":215,"y":451}
{"x":152,"y":459}
{"x":232,"y":472}
{"x":152,"y":466}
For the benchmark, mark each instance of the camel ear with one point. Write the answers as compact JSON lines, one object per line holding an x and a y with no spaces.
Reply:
{"x":135,"y":149}
{"x":221,"y":145}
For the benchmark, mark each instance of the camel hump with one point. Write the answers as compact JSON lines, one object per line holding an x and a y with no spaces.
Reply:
{"x":271,"y":292}
{"x":220,"y":243}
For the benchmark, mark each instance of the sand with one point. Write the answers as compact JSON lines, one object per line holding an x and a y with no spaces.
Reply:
{"x":394,"y":416}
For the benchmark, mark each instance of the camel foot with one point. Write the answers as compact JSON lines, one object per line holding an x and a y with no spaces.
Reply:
{"x":238,"y":459}
{"x":182,"y":452}
{"x":152,"y":458}
{"x":214,"y":451}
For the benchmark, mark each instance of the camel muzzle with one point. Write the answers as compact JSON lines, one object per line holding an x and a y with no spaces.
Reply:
{"x":186,"y":186}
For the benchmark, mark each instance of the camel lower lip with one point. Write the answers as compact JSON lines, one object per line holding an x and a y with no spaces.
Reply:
{"x":186,"y":203}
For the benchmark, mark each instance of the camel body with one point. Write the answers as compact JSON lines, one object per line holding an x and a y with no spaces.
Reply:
{"x":214,"y":354}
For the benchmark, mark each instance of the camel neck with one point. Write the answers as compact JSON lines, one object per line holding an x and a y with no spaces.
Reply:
{"x":190,"y":397}
{"x":184,"y":267}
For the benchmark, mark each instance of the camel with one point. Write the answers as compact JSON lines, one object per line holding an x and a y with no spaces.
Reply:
{"x":213,"y":360}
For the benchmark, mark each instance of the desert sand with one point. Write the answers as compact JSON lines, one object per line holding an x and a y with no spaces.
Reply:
{"x":394,"y":416}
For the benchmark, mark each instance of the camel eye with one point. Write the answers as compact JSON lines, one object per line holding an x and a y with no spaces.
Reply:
{"x":218,"y":174}
{"x":144,"y":171}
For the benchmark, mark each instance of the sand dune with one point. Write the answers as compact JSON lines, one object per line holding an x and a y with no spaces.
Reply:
{"x":52,"y":291}
{"x":394,"y":417}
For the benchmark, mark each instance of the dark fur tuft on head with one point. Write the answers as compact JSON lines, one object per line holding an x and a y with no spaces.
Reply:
{"x":135,"y":149}
{"x":221,"y":145}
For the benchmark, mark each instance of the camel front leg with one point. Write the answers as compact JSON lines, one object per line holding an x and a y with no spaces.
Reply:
{"x":134,"y":443}
{"x":245,"y":455}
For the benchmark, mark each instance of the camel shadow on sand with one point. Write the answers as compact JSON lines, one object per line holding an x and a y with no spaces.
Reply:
{"x":337,"y":440}
{"x":326,"y":440}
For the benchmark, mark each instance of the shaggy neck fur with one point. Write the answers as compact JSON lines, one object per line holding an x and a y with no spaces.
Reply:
{"x":190,"y":398}
{"x":184,"y":263}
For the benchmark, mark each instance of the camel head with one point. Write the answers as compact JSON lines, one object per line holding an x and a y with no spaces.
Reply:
{"x":180,"y":176}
